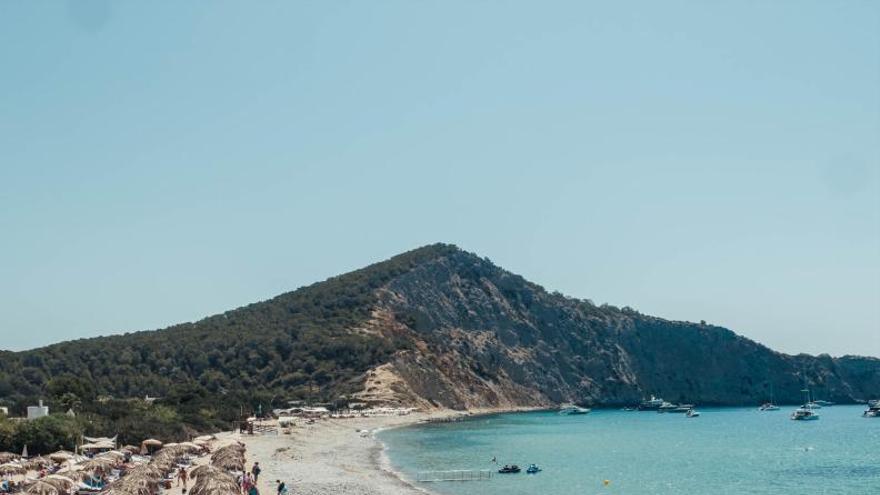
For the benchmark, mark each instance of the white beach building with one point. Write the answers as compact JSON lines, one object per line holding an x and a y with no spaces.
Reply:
{"x":34,"y":412}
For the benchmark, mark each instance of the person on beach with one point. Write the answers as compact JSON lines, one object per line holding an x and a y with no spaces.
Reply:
{"x":253,"y":490}
{"x":181,"y":478}
{"x":282,"y":488}
{"x":256,"y":472}
{"x":245,"y":483}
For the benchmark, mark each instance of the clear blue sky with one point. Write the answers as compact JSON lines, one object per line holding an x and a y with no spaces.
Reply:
{"x":163,"y":161}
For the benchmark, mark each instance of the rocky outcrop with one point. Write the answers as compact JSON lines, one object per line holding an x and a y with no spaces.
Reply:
{"x":487,"y":338}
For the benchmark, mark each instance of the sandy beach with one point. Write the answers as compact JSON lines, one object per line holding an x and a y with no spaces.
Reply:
{"x":332,"y":456}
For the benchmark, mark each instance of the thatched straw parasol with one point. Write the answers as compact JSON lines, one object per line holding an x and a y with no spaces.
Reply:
{"x":41,"y":487}
{"x":97,"y":463}
{"x":191,"y":446}
{"x":38,"y":462}
{"x":73,"y":474}
{"x":147,"y":471}
{"x":217,"y":483}
{"x":10,"y":468}
{"x":131,"y":448}
{"x":152,"y":442}
{"x":205,"y":470}
{"x":126,"y":488}
{"x":61,"y":456}
{"x":62,"y":483}
{"x":205,"y":438}
{"x":7,"y":456}
{"x":230,"y":463}
{"x":113,"y":454}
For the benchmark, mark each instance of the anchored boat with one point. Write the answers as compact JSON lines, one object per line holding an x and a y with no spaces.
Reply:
{"x":651,"y":404}
{"x":805,"y":412}
{"x":573,"y":410}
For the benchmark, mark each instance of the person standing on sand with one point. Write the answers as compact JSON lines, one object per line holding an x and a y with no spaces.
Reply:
{"x":282,"y":488}
{"x":245,"y":483}
{"x":253,"y":490}
{"x":181,"y":477}
{"x":256,"y":472}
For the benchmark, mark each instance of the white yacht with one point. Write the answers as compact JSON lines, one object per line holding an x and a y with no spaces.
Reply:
{"x":768,"y":406}
{"x":651,"y":404}
{"x":805,"y":412}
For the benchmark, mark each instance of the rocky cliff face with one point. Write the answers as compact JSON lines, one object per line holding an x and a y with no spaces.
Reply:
{"x":487,"y":338}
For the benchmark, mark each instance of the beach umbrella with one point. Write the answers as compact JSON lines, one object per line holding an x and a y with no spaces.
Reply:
{"x":73,"y":474}
{"x":152,"y":442}
{"x":60,"y":482}
{"x":149,"y":471}
{"x":205,"y":438}
{"x":217,"y":483}
{"x":113,"y":454}
{"x":61,"y":456}
{"x":190,"y":446}
{"x":24,"y":453}
{"x":10,"y":468}
{"x":38,"y":462}
{"x":131,"y":448}
{"x":205,"y":470}
{"x":42,"y":488}
{"x":7,"y":456}
{"x":96,"y":463}
{"x":230,"y":463}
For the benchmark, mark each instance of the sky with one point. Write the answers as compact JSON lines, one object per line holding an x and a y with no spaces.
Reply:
{"x":164,"y":161}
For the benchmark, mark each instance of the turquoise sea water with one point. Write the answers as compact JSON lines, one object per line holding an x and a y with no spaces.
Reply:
{"x":725,"y":451}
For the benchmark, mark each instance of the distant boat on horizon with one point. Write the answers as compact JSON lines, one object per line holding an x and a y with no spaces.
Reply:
{"x":769,"y":406}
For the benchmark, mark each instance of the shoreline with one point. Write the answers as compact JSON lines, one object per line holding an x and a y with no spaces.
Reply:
{"x":335,"y":456}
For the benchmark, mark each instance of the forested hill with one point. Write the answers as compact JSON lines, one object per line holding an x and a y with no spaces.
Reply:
{"x":436,"y":326}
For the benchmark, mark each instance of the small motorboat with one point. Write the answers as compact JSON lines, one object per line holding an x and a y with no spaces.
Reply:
{"x":768,"y":406}
{"x":533,"y":469}
{"x":872,"y":412}
{"x":509,"y":469}
{"x":692,"y":414}
{"x":573,"y":410}
{"x":823,"y":403}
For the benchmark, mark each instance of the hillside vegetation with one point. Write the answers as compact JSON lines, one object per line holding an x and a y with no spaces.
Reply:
{"x":436,"y":326}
